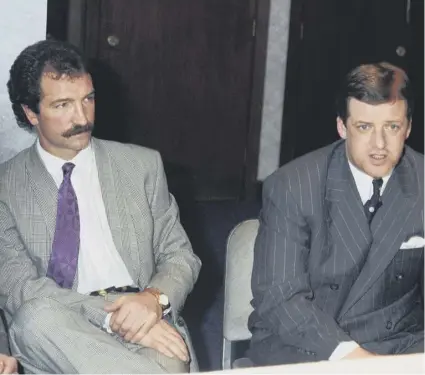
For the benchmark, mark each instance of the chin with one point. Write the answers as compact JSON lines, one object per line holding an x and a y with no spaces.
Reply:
{"x":378,"y":172}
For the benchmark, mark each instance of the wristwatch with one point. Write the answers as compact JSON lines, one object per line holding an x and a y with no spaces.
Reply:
{"x":162,"y":300}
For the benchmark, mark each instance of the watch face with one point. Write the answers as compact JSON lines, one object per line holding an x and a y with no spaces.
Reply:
{"x":163,"y":300}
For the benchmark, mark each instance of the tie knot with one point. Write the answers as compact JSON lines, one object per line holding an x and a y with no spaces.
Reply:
{"x":377,"y":184}
{"x":67,"y":169}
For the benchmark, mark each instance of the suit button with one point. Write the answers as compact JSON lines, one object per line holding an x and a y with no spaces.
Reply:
{"x":399,"y":276}
{"x":310,"y":298}
{"x":389,"y":325}
{"x":334,"y":286}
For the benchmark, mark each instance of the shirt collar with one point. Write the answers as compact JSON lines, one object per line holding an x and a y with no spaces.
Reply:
{"x":54,"y":164}
{"x":364,"y":182}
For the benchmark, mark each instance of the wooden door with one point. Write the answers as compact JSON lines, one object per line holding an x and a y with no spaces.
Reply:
{"x":330,"y":37}
{"x":176,"y":76}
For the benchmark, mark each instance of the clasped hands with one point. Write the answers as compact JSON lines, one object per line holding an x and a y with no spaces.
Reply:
{"x":137,"y":318}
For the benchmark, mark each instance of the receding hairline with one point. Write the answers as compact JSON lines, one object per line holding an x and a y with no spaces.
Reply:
{"x":53,"y":74}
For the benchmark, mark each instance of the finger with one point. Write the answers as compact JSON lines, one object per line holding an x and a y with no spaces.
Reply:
{"x":1,"y":367}
{"x":173,"y":331}
{"x":138,"y":336}
{"x":133,"y":331}
{"x":174,"y":345}
{"x":150,"y":321}
{"x":114,"y":306}
{"x":121,"y":314}
{"x":164,"y":350}
{"x":178,"y":350}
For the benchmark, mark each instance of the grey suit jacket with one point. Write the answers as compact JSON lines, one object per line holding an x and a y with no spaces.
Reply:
{"x":322,"y":276}
{"x":142,"y":215}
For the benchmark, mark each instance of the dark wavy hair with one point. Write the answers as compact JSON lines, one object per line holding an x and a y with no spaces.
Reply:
{"x":375,"y":84}
{"x":57,"y":57}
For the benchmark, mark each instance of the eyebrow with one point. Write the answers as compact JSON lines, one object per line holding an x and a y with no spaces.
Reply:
{"x":61,"y":100}
{"x":362,"y":122}
{"x":371,"y":123}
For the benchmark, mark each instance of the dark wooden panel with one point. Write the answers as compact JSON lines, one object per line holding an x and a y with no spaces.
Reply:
{"x":252,"y":185}
{"x":178,"y":81}
{"x":415,"y":68}
{"x":57,"y":19}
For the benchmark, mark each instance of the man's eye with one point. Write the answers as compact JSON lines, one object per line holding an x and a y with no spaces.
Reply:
{"x":394,"y":126}
{"x":89,"y":98}
{"x":363,"y":127}
{"x":61,"y":105}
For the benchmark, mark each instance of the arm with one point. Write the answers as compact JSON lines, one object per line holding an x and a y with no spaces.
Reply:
{"x":20,"y":282}
{"x":280,"y":279}
{"x":177,"y":267}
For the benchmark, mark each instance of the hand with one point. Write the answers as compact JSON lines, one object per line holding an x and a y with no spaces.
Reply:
{"x":165,"y":339}
{"x":133,"y":315}
{"x":359,"y":353}
{"x":8,"y":365}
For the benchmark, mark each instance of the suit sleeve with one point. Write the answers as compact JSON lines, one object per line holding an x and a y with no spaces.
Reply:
{"x":20,"y":282}
{"x":177,"y":267}
{"x":283,"y":298}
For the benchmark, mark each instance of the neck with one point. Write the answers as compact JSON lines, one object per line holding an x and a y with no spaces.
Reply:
{"x":64,"y":154}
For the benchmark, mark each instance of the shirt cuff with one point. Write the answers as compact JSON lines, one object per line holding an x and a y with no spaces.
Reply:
{"x":343,"y":349}
{"x":106,"y":325}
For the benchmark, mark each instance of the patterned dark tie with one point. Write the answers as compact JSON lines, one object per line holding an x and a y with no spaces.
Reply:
{"x":66,"y":242}
{"x":372,"y":205}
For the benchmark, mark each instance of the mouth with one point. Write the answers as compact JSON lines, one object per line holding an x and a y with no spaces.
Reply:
{"x":378,"y":159}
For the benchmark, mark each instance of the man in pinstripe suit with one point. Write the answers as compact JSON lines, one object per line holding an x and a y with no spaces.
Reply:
{"x":82,"y":222}
{"x":338,"y":263}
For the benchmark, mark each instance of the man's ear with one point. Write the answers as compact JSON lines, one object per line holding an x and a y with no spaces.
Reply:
{"x":31,"y":115}
{"x":342,"y":130}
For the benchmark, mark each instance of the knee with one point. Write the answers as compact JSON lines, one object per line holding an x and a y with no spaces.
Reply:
{"x":34,"y":314}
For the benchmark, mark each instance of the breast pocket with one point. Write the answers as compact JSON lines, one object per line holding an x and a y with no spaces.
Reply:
{"x":405,"y":271}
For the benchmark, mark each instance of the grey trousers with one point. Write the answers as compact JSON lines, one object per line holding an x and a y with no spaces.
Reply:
{"x":48,"y":337}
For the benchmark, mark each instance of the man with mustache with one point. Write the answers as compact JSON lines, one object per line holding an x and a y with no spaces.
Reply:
{"x":339,"y":257}
{"x":94,"y":263}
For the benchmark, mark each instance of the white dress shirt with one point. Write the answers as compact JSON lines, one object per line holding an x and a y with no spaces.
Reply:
{"x":99,"y":263}
{"x":364,"y":183}
{"x":365,"y":189}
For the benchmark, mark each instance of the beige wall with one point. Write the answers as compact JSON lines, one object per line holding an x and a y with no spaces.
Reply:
{"x":22,"y":22}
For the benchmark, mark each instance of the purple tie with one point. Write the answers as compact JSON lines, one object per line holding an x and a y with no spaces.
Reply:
{"x":66,"y":243}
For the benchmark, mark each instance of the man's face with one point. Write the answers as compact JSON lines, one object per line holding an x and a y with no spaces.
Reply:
{"x":66,"y":114}
{"x":375,"y":135}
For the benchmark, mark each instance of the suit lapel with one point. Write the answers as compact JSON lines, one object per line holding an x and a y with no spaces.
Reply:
{"x":45,"y":193}
{"x":347,"y":222}
{"x":112,"y":199}
{"x":388,"y":229}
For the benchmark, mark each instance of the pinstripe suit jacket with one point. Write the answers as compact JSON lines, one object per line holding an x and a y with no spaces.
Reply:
{"x":142,"y":215}
{"x":321,"y":275}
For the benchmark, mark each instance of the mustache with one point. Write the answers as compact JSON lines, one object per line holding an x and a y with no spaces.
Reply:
{"x":78,"y":129}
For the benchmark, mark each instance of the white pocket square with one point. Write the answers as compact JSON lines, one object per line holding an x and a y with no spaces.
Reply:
{"x":413,"y":243}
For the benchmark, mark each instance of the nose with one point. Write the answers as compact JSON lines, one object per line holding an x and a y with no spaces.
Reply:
{"x":379,"y":139}
{"x":80,"y":116}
